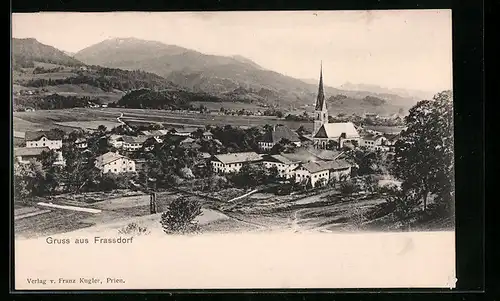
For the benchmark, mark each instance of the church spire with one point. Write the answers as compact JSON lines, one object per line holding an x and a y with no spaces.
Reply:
{"x":320,"y":101}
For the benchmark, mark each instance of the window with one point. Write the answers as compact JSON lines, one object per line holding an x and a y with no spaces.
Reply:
{"x":130,"y":168}
{"x":114,"y":169}
{"x":44,"y":144}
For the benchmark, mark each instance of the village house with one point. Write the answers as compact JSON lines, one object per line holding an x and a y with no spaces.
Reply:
{"x":323,"y":171}
{"x":81,"y":143}
{"x":189,"y":143}
{"x":185,"y":132}
{"x":376,"y":142}
{"x":208,"y":135}
{"x":52,"y":140}
{"x":115,"y":141}
{"x":133,"y":143}
{"x":115,"y":163}
{"x":284,"y":165}
{"x":24,"y":155}
{"x":325,"y":132}
{"x":229,"y":163}
{"x":277,"y":134}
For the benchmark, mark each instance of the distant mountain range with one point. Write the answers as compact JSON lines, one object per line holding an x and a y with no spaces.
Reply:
{"x":381,"y":90}
{"x":26,"y":51}
{"x":236,"y":77}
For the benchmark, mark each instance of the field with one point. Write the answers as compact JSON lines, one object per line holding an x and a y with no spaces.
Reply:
{"x":24,"y":121}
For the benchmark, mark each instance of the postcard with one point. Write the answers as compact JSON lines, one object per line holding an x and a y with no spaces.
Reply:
{"x":233,"y":150}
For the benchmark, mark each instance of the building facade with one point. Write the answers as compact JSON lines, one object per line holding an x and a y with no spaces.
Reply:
{"x":283,"y":165}
{"x":132,"y":143}
{"x":323,"y":172}
{"x":277,"y":134}
{"x":43,"y":139}
{"x":232,"y":163}
{"x":115,"y":163}
{"x":326,"y":134}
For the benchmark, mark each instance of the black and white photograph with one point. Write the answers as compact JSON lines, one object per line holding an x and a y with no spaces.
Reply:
{"x":241,"y":150}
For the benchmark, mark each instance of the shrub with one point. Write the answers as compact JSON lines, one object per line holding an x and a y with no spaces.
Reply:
{"x":134,"y":229}
{"x":180,"y":217}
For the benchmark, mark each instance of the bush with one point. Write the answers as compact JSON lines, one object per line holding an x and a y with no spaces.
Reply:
{"x":180,"y":217}
{"x":134,"y":229}
{"x":349,"y":187}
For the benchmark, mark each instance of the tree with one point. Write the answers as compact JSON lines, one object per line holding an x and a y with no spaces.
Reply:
{"x":423,"y":157}
{"x":101,"y":129}
{"x":348,"y":188}
{"x":180,"y":217}
{"x":283,"y":146}
{"x":48,"y":158}
{"x":29,"y":180}
{"x":403,"y":203}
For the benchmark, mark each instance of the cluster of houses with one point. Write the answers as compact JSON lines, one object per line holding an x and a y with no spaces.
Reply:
{"x":317,"y":157}
{"x":38,"y":142}
{"x":305,"y":165}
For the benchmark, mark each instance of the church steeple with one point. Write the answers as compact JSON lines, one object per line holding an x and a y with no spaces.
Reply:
{"x":320,"y":100}
{"x":321,"y":112}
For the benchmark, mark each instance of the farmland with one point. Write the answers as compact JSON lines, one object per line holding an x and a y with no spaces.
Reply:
{"x":88,"y":117}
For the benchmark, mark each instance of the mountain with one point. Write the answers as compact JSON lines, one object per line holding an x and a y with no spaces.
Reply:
{"x":25,"y":52}
{"x":418,"y":94}
{"x":69,"y":53}
{"x":216,"y":75}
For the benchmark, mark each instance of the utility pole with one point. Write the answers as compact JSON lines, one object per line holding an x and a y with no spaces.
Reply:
{"x":152,"y":203}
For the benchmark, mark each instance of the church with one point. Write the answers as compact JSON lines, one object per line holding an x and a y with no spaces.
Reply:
{"x":325,"y":133}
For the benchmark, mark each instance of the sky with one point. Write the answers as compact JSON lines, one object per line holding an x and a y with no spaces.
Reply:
{"x":409,"y":49}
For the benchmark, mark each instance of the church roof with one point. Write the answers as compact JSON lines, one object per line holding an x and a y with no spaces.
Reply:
{"x":320,"y":100}
{"x":336,"y":130}
{"x":280,"y":132}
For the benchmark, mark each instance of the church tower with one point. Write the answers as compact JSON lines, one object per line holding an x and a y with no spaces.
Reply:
{"x":320,"y":111}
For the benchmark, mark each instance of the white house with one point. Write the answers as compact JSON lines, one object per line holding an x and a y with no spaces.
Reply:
{"x":278,"y":133}
{"x":376,"y":142}
{"x":284,"y":165}
{"x":81,"y":143}
{"x":48,"y":139}
{"x":322,"y":171}
{"x":115,"y":141}
{"x":25,"y":155}
{"x":115,"y":163}
{"x":229,"y":163}
{"x":132,"y":143}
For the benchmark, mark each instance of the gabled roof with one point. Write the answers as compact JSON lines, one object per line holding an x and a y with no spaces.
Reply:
{"x":325,"y":154}
{"x":185,"y":130}
{"x":188,"y":140}
{"x":155,"y":133}
{"x":300,"y":155}
{"x":314,"y":167}
{"x":32,"y":136}
{"x":238,"y":157}
{"x":335,"y":130}
{"x":207,"y":133}
{"x":29,"y":151}
{"x":280,"y":132}
{"x":280,"y":159}
{"x":134,"y":139}
{"x":372,"y":137}
{"x":391,"y":137}
{"x":108,"y":158}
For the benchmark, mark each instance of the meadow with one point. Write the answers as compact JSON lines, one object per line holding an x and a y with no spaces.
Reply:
{"x":89,"y":117}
